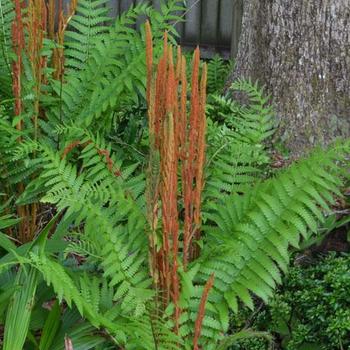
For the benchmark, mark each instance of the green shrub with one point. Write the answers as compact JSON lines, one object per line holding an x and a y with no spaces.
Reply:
{"x":251,"y":344}
{"x":310,"y":311}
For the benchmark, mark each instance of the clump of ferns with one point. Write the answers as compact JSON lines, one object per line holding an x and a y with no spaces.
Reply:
{"x":246,"y":239}
{"x":166,"y":243}
{"x":45,"y":47}
{"x":31,"y":57}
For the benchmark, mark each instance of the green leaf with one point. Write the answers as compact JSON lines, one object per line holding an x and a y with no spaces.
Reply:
{"x":6,"y":243}
{"x":20,"y":309}
{"x":51,"y":326}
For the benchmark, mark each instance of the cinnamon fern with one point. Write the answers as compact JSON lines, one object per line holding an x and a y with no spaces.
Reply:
{"x":114,"y":63}
{"x":149,"y":254}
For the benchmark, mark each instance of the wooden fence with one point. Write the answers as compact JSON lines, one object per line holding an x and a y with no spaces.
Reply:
{"x":212,"y":24}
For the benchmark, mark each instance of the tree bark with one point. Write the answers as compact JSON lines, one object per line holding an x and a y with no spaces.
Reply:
{"x":300,"y":50}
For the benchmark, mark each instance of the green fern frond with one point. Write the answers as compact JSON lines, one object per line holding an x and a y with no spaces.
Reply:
{"x":54,"y":274}
{"x":218,"y":71}
{"x":114,"y":73}
{"x":248,"y":249}
{"x":237,"y":155}
{"x":91,"y":198}
{"x":81,"y":246}
{"x":6,"y":17}
{"x":256,"y":121}
{"x":233,"y":167}
{"x":87,"y":27}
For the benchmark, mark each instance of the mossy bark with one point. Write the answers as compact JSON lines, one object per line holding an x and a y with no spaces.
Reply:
{"x":300,"y":50}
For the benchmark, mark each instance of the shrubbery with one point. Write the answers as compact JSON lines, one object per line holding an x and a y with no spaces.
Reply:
{"x":311,"y":311}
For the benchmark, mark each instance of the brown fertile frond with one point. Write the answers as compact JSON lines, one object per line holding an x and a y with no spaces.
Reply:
{"x":160,"y":98}
{"x":190,"y":164}
{"x":37,"y":25}
{"x":199,"y":185}
{"x":195,"y":93}
{"x":201,"y":311}
{"x":175,"y":139}
{"x":51,"y":7}
{"x":18,"y":46}
{"x":183,"y":109}
{"x":36,"y":28}
{"x":63,"y":21}
{"x":178,"y":62}
{"x":165,"y":45}
{"x":167,"y":169}
{"x":69,"y":148}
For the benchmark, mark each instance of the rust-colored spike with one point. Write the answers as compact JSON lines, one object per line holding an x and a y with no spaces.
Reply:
{"x":60,"y":11}
{"x":201,"y":139}
{"x":51,"y":6}
{"x":200,"y":162}
{"x":183,"y":108}
{"x":36,"y":28}
{"x":194,"y":114}
{"x":69,"y":148}
{"x":178,"y":63}
{"x":194,"y":103}
{"x":170,"y":85}
{"x":171,"y":163}
{"x":18,"y":46}
{"x":203,"y":87}
{"x":63,"y":21}
{"x":165,"y":44}
{"x":155,"y":105}
{"x":44,"y":17}
{"x":195,"y":75}
{"x":201,"y":312}
{"x":186,"y":186}
{"x":178,"y":138}
{"x":178,"y":103}
{"x":166,"y":195}
{"x":191,"y":160}
{"x":160,"y":98}
{"x":36,"y":25}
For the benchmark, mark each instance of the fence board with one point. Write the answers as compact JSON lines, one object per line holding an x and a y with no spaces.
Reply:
{"x":192,"y":28}
{"x":225,"y":22}
{"x":212,"y":24}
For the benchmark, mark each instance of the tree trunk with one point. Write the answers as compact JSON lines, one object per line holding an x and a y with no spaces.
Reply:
{"x":300,"y":50}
